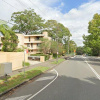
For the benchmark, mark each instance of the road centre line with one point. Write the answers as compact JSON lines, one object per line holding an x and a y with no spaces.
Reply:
{"x":44,"y":87}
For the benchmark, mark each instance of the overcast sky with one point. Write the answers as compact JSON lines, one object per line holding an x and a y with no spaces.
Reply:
{"x":74,"y":14}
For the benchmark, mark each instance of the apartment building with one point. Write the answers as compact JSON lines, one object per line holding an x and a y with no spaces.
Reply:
{"x":32,"y":42}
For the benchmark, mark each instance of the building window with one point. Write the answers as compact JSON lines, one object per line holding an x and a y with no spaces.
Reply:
{"x":28,"y":45}
{"x":38,"y":45}
{"x":31,"y":45}
{"x":37,"y":38}
{"x":29,"y":39}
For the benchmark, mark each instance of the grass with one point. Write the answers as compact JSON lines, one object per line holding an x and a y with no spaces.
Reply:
{"x":17,"y":79}
{"x":59,"y":61}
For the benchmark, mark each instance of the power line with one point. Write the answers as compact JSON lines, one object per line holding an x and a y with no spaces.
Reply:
{"x":22,"y":4}
{"x":9,"y":4}
{"x":38,"y":8}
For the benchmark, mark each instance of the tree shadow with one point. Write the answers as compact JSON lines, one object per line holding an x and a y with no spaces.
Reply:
{"x":70,"y":88}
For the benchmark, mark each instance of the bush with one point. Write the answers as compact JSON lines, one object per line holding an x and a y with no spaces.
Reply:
{"x":46,"y":56}
{"x":26,"y":64}
{"x":19,"y":50}
{"x":55,"y":55}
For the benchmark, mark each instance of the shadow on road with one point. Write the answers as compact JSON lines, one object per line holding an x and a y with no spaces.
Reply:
{"x":69,"y":88}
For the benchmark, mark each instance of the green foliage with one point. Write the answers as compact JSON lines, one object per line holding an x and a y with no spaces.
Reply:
{"x":19,"y":50}
{"x":26,"y":64}
{"x":45,"y":46}
{"x":88,"y":50}
{"x":9,"y":40}
{"x":93,"y":39}
{"x":79,"y":51}
{"x":55,"y":55}
{"x":27,"y":22}
{"x":18,"y":79}
{"x":59,"y":61}
{"x":56,"y":30}
{"x":55,"y":46}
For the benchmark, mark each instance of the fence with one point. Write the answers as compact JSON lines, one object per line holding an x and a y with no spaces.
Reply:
{"x":16,"y":58}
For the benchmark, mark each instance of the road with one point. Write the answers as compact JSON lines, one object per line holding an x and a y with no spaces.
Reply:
{"x":74,"y":79}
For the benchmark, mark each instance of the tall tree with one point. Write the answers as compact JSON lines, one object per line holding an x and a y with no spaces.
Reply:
{"x":56,"y":30}
{"x":9,"y":40}
{"x":27,"y":22}
{"x":93,"y":39}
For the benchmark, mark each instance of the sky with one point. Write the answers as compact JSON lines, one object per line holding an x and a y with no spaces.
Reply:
{"x":74,"y":14}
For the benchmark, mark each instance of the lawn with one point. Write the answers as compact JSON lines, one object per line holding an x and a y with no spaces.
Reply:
{"x":59,"y":61}
{"x":17,"y":79}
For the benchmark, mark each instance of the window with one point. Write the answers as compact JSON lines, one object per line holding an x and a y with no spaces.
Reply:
{"x":28,"y":45}
{"x":31,"y":45}
{"x":38,"y":45}
{"x":37,"y":38}
{"x":29,"y":39}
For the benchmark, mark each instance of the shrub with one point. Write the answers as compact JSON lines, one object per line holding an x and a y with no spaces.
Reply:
{"x":55,"y":55}
{"x":26,"y":64}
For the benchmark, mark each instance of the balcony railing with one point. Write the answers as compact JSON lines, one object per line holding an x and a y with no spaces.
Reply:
{"x":33,"y":41}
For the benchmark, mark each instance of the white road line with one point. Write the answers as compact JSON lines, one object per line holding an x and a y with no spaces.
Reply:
{"x":97,"y":75}
{"x":44,"y":87}
{"x":45,"y":78}
{"x":19,"y":98}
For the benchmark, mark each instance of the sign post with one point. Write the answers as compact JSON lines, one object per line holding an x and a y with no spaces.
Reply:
{"x":25,"y":51}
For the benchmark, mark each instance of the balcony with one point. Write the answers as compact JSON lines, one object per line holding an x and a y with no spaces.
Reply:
{"x":33,"y":41}
{"x":33,"y":48}
{"x":36,"y":35}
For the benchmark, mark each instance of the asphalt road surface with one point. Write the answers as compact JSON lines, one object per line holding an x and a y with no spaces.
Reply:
{"x":74,"y":79}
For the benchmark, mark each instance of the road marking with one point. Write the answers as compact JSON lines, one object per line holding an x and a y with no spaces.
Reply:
{"x":44,"y":87}
{"x":19,"y":98}
{"x":98,"y":76}
{"x":45,"y":78}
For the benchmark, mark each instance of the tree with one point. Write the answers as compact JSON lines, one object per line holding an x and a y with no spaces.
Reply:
{"x":9,"y":40}
{"x":93,"y":39}
{"x":56,"y":30}
{"x":87,"y":50}
{"x":27,"y":22}
{"x":45,"y":46}
{"x":79,"y":50}
{"x":72,"y":46}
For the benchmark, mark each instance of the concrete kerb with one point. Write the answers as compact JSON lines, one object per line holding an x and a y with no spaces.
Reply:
{"x":26,"y":81}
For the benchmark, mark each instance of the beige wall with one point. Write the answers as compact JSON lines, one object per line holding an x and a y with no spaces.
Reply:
{"x":15,"y":57}
{"x":21,"y":40}
{"x":46,"y":35}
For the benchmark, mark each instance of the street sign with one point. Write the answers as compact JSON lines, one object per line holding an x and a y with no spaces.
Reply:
{"x":26,"y":51}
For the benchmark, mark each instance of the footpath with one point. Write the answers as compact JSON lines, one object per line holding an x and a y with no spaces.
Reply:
{"x":48,"y":63}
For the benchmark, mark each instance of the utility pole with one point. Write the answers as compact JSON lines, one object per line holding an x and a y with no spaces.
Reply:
{"x":24,"y":61}
{"x":68,"y":44}
{"x":57,"y":49}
